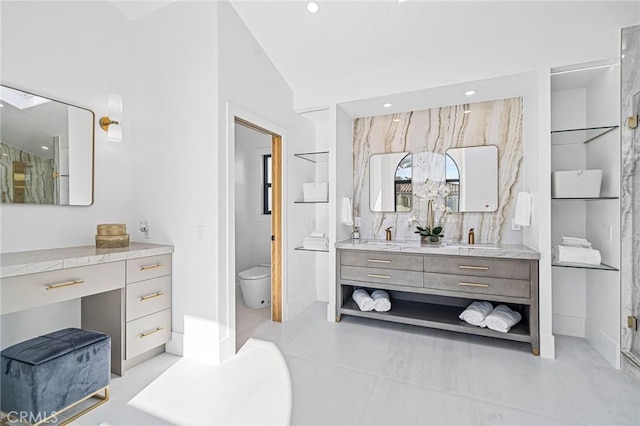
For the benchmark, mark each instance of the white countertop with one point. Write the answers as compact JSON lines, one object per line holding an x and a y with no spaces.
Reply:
{"x":505,"y":251}
{"x":31,"y":262}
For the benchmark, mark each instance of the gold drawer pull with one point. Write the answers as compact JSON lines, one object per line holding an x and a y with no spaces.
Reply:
{"x":149,"y":333}
{"x":378,"y":261}
{"x":474,"y":285}
{"x":480,"y":268}
{"x":146,"y":268}
{"x":151,"y":296}
{"x":65,"y":284}
{"x":379,"y":276}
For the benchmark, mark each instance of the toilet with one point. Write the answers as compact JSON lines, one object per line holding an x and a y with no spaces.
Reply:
{"x":255,"y":284}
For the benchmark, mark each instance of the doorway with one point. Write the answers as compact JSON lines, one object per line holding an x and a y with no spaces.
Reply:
{"x":257,"y":233}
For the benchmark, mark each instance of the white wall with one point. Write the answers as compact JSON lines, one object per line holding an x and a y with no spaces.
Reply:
{"x":77,"y":73}
{"x":603,"y":218}
{"x":340,"y":187}
{"x":253,"y":228}
{"x":59,"y":58}
{"x":248,"y":80}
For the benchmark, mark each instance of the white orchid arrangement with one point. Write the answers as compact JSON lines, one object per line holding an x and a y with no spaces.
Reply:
{"x":436,"y":195}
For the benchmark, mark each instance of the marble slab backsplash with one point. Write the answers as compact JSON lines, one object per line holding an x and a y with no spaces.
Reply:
{"x":630,"y":193}
{"x":496,"y":122}
{"x":40,"y":186}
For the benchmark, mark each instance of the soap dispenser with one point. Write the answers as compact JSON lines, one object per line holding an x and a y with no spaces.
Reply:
{"x":355,"y":234}
{"x":472,"y":236}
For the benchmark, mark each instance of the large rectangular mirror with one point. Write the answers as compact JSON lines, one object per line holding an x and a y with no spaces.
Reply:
{"x":47,"y":150}
{"x":472,"y":176}
{"x":390,"y":188}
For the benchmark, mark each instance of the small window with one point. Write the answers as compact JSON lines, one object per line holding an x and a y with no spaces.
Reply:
{"x":266,"y":184}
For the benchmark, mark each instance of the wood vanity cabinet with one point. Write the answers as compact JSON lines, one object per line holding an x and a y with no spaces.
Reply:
{"x":432,"y":290}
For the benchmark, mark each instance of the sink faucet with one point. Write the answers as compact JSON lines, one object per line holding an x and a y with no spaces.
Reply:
{"x":388,"y":233}
{"x":472,"y":236}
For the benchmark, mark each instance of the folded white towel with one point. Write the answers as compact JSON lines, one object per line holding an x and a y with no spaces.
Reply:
{"x":315,"y":243}
{"x":502,"y":318}
{"x":575,"y":242}
{"x":317,"y":234}
{"x":381,"y":301}
{"x":347,"y":211}
{"x":364,"y":301}
{"x":476,"y":313}
{"x":582,"y":255}
{"x":522,"y":215}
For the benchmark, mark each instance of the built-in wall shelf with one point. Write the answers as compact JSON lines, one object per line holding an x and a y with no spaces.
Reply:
{"x":311,"y":202}
{"x":314,"y":157}
{"x":577,"y":136}
{"x":586,"y":198}
{"x":601,"y":267}
{"x":305,"y":249}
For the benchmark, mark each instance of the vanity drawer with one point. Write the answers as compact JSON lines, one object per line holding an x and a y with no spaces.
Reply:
{"x":145,"y":268}
{"x":28,"y":291}
{"x":384,"y":276}
{"x":382,"y":260}
{"x":148,"y":332}
{"x":480,"y":267}
{"x":148,"y":297}
{"x":479,"y":285}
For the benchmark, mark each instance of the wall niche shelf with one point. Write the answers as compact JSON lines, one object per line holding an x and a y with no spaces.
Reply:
{"x":577,"y":136}
{"x":305,"y":249}
{"x":314,"y":157}
{"x":311,"y":202}
{"x":601,"y":267}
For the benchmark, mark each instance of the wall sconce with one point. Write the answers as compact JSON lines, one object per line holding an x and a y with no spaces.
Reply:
{"x":111,"y":123}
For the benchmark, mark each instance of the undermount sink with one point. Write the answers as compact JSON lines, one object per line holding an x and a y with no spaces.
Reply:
{"x":474,"y":246}
{"x":385,"y":243}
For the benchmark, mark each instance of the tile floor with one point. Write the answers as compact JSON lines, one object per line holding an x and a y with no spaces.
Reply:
{"x":248,"y":320}
{"x":364,"y":372}
{"x":369,"y":372}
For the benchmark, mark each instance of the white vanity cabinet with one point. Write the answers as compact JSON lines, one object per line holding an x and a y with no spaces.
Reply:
{"x":431,"y":287}
{"x":125,"y":293}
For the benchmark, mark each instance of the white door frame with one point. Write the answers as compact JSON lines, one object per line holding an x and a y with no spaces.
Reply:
{"x":228,"y":322}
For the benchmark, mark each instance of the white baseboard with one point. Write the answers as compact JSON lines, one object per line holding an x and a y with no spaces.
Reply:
{"x":176,"y":344}
{"x":547,"y":346}
{"x":568,"y":325}
{"x":331,"y":312}
{"x":604,"y":344}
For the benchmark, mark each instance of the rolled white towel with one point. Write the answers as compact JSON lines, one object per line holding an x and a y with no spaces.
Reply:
{"x":476,"y":313}
{"x":381,"y":301}
{"x":502,"y":318}
{"x":364,"y":301}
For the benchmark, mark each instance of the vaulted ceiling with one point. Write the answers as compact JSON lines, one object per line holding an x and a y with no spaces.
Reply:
{"x":358,"y":49}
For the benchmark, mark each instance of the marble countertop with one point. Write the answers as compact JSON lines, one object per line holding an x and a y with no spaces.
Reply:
{"x":506,"y":251}
{"x":31,"y":262}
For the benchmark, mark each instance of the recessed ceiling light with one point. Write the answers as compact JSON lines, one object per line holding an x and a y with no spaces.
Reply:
{"x":5,"y":154}
{"x":395,"y":120}
{"x":387,"y":105}
{"x":3,"y":105}
{"x":313,"y":7}
{"x":466,"y":111}
{"x":45,"y":147}
{"x":470,"y":92}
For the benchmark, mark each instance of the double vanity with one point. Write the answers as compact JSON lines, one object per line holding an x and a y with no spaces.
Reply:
{"x":431,"y":285}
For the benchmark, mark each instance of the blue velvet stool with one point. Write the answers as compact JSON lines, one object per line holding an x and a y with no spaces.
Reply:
{"x":44,"y":376}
